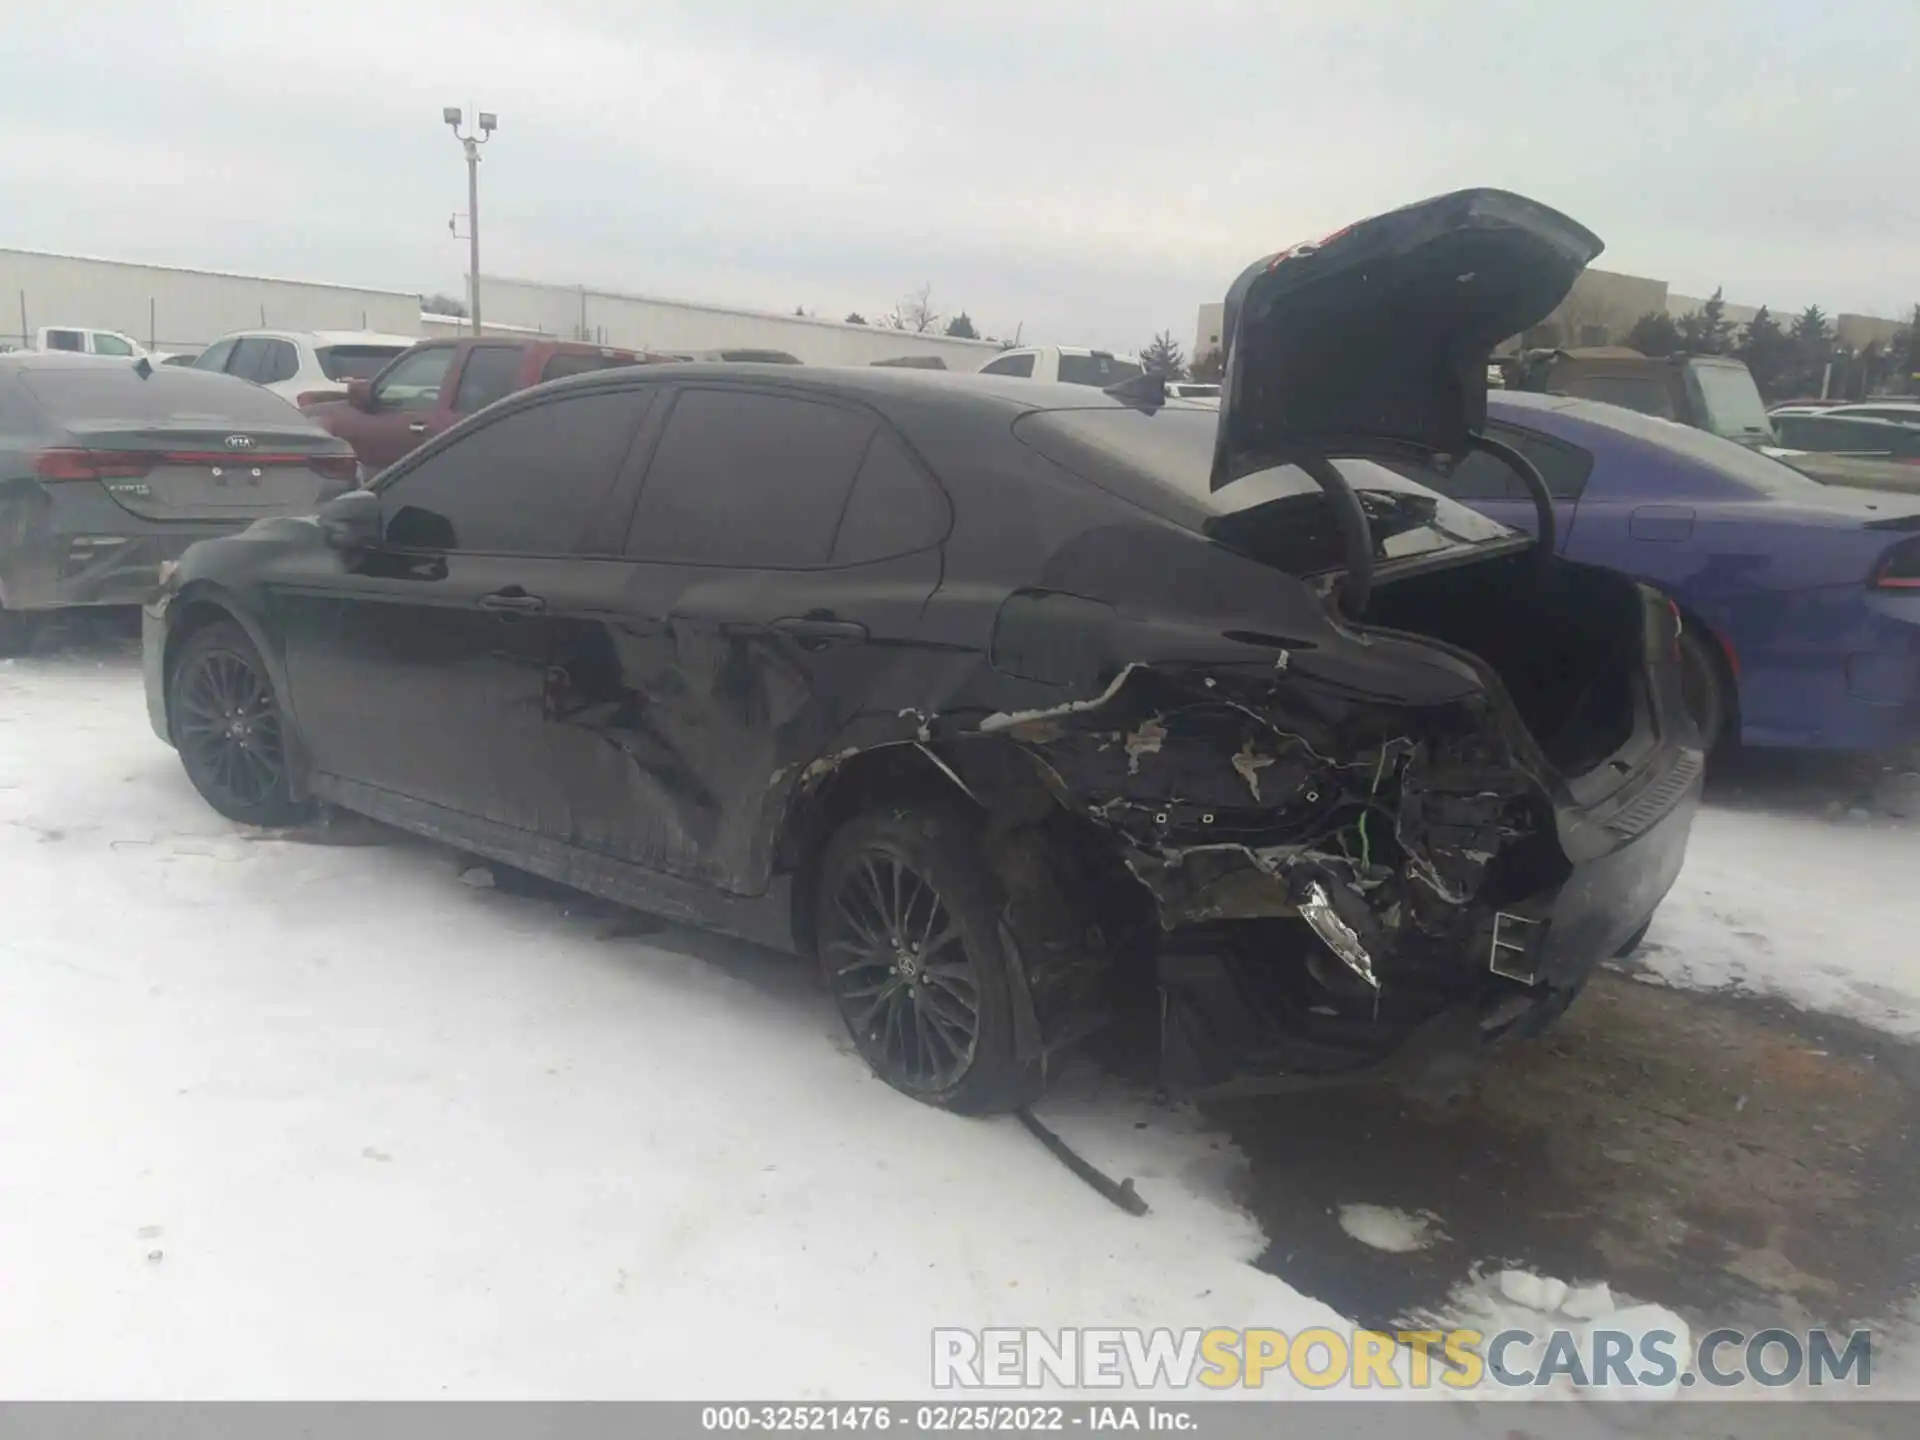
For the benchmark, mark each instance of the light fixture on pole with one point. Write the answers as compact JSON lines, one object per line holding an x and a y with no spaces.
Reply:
{"x":472,"y":143}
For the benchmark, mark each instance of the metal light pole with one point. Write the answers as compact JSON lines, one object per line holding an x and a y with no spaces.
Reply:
{"x":488,"y":123}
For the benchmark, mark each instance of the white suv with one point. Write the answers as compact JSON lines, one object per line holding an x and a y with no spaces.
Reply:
{"x":304,"y":366}
{"x":1066,"y":363}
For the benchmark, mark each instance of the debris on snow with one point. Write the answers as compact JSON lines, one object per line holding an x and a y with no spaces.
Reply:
{"x":1396,"y":1231}
{"x":1536,"y":1292}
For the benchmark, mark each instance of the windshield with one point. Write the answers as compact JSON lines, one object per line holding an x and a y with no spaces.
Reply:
{"x":355,"y":362}
{"x":1728,"y":402}
{"x":1163,"y":461}
{"x":1100,"y":370}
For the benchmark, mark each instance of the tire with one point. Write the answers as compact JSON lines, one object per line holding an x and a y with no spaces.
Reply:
{"x":1704,"y":687}
{"x":229,"y":729}
{"x":1633,"y":942}
{"x":16,"y":632}
{"x":940,"y":1030}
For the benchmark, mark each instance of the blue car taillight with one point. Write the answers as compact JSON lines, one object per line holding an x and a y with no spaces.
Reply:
{"x":1899,"y":568}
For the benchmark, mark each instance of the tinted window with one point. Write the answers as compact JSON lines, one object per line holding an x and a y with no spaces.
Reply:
{"x":1564,"y":467}
{"x":746,"y":478}
{"x":66,"y":340}
{"x":894,"y":508}
{"x":1102,"y":370}
{"x":414,"y":381}
{"x":355,"y":362}
{"x":104,"y":344}
{"x":527,"y":484}
{"x":1021,"y":365}
{"x":1648,"y":396}
{"x":214,"y":357}
{"x":561,"y":366}
{"x":1838,"y":435}
{"x":279,"y":362}
{"x":116,"y":392}
{"x":487,"y":376}
{"x":249,"y":355}
{"x":1163,"y":460}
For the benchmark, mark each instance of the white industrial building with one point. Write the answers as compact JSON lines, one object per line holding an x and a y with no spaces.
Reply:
{"x":169,"y":308}
{"x":166,"y":308}
{"x":649,"y":322}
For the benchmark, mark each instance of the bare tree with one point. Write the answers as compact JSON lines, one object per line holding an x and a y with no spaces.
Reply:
{"x":915,"y":312}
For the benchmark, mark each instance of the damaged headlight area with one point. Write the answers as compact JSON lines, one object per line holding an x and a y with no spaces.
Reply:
{"x":1328,"y":875}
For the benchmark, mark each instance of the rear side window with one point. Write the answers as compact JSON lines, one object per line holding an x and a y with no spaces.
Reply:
{"x":1648,"y":397}
{"x":354,"y":362}
{"x":530,"y":483}
{"x":561,"y":366}
{"x":1101,"y":370}
{"x":1021,"y":365}
{"x":487,"y":376}
{"x":71,"y":340}
{"x":1479,"y":476}
{"x":249,"y":356}
{"x":116,"y":392}
{"x":894,"y":508}
{"x":279,"y":362}
{"x":746,"y":478}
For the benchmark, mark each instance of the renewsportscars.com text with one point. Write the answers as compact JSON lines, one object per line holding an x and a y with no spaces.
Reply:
{"x":1321,"y":1358}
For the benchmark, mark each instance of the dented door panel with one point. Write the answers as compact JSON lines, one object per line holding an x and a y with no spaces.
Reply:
{"x":684,"y":704}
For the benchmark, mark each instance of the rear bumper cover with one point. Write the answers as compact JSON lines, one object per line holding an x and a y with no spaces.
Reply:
{"x":1532,"y":958}
{"x":73,"y":545}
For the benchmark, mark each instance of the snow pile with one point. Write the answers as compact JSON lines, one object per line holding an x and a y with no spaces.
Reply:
{"x":1396,"y":1231}
{"x":1563,"y":1319}
{"x":1718,"y":930}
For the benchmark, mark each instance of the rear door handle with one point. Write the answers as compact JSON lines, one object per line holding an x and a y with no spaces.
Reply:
{"x":513,"y":601}
{"x":816,"y":633}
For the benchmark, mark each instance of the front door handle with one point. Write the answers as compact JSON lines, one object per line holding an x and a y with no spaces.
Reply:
{"x":817,"y":632}
{"x":418,"y":427}
{"x":513,"y":601}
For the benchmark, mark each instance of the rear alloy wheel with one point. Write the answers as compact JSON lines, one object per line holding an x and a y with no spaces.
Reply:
{"x":229,"y":730}
{"x":908,"y":933}
{"x":1703,"y":687}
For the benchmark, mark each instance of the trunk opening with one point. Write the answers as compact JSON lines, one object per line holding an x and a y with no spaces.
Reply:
{"x":1566,"y":641}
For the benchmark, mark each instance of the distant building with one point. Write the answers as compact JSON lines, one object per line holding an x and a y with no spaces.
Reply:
{"x":1206,"y":335}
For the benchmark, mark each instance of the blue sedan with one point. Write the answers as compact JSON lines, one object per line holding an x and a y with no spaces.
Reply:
{"x":1800,"y":602}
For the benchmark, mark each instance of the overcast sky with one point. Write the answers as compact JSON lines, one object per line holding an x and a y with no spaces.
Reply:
{"x":1090,"y":170}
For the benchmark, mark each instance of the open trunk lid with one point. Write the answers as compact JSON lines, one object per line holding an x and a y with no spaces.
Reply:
{"x":1375,"y":340}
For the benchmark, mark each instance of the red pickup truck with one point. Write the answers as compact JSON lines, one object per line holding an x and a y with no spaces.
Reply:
{"x":438,"y":383}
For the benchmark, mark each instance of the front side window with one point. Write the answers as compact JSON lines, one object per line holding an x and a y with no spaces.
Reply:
{"x":414,"y":381}
{"x":530,"y":483}
{"x":215,"y":356}
{"x":487,"y":376}
{"x":355,"y":362}
{"x":746,"y":478}
{"x":105,"y":344}
{"x":1021,"y":365}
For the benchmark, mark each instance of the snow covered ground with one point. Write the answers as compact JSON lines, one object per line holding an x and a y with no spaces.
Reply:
{"x":286,"y":1119}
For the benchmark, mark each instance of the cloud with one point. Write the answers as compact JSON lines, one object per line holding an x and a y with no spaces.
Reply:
{"x":1094,"y":168}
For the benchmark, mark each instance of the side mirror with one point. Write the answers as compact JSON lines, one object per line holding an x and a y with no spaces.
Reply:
{"x":360,"y":394}
{"x":352,"y":522}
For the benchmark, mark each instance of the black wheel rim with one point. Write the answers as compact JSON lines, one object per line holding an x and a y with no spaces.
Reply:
{"x":901,"y":974}
{"x":228,"y":728}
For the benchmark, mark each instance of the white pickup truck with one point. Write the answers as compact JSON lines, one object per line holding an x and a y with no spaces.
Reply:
{"x":1066,"y":363}
{"x":81,"y":340}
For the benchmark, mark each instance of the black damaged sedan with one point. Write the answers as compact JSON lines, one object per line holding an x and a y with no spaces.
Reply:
{"x":1021,"y":707}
